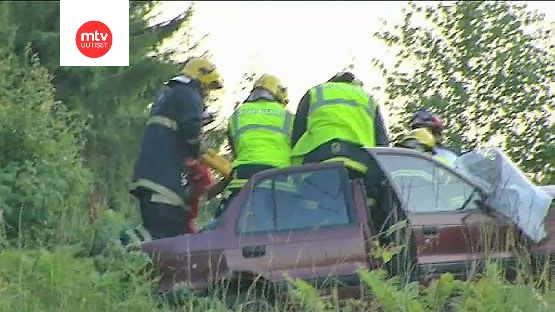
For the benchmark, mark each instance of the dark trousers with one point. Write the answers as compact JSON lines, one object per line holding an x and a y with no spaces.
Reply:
{"x":246,"y":172}
{"x":348,"y":150}
{"x":161,"y":220}
{"x":372,"y":179}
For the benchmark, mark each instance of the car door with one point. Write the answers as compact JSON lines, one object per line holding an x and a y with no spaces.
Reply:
{"x":307,"y":222}
{"x":450,"y":229}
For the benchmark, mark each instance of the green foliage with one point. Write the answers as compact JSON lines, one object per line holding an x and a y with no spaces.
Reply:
{"x":63,"y":129}
{"x":305,"y":295}
{"x":44,"y":188}
{"x":119,"y":105}
{"x":38,"y":280}
{"x":437,"y":295}
{"x":113,"y":100}
{"x":397,"y":238}
{"x":478,"y":66}
{"x":389,"y":294}
{"x":490,"y":293}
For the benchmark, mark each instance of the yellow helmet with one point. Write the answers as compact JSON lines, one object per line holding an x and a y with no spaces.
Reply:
{"x":204,"y":71}
{"x":273,"y":85}
{"x":421,"y":136}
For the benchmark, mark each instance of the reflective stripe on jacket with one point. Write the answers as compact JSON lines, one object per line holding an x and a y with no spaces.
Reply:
{"x":171,"y":136}
{"x":261,"y":134}
{"x":338,"y":111}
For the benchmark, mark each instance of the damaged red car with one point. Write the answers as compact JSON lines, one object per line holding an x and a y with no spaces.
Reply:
{"x":311,"y":222}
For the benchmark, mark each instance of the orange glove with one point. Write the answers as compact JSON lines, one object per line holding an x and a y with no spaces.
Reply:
{"x":200,"y":180}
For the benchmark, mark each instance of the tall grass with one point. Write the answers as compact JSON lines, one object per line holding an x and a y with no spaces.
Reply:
{"x":117,"y":280}
{"x":66,"y":278}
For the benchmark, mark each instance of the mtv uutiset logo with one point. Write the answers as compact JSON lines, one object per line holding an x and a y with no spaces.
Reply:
{"x":93,"y":39}
{"x":90,"y":35}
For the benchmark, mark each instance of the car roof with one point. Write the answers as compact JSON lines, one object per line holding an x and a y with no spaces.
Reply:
{"x":396,"y":150}
{"x":549,"y":189}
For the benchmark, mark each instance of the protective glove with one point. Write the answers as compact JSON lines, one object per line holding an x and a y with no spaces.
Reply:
{"x":200,"y":180}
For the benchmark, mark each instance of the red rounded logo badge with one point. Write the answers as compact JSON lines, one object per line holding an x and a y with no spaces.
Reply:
{"x":93,"y":39}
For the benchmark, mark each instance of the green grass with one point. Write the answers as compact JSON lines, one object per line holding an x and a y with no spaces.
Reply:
{"x":550,"y":298}
{"x":61,"y":280}
{"x":68,"y":278}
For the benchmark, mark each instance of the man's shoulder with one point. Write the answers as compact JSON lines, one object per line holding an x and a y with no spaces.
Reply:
{"x":345,"y":86}
{"x":314,"y":87}
{"x":259,"y":106}
{"x":184,"y":89}
{"x":184,"y":97}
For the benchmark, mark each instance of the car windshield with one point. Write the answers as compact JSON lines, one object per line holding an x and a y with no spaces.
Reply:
{"x":509,"y":191}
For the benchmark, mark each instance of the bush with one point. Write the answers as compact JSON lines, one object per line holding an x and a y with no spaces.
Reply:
{"x":44,"y":188}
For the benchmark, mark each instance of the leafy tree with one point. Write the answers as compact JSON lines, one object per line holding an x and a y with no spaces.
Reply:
{"x":486,"y":67}
{"x":113,"y":100}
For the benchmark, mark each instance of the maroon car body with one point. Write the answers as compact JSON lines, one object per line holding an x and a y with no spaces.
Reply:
{"x":312,"y":222}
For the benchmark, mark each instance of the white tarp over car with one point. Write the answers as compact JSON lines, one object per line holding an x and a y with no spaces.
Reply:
{"x":510,"y":192}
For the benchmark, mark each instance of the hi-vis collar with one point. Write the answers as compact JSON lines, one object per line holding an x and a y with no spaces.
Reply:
{"x":181,"y":78}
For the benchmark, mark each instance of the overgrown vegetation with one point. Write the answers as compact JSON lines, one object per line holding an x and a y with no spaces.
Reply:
{"x":44,"y":185}
{"x":69,"y":136}
{"x":487,"y":68}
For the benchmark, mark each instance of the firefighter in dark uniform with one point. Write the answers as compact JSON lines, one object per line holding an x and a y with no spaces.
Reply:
{"x":160,"y":180}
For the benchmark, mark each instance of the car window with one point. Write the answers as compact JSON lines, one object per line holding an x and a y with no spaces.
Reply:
{"x":425,"y":186}
{"x":297,"y":201}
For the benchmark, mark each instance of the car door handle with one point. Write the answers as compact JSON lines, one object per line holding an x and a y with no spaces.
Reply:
{"x":253,"y":251}
{"x":429,"y":230}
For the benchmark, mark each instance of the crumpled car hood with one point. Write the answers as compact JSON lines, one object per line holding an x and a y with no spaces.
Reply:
{"x":510,"y":192}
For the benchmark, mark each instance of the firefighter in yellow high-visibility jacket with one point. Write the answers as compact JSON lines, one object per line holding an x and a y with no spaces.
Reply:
{"x":259,"y":134}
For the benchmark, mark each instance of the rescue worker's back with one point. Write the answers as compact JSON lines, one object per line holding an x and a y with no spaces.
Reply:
{"x":334,"y":121}
{"x":337,"y":111}
{"x":261,"y":134}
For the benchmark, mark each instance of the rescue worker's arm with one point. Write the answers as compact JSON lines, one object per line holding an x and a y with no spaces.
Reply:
{"x":299,"y":124}
{"x":189,"y":119}
{"x":382,"y":138}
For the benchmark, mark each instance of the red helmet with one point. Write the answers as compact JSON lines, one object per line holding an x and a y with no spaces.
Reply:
{"x":438,"y":126}
{"x":425,"y":119}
